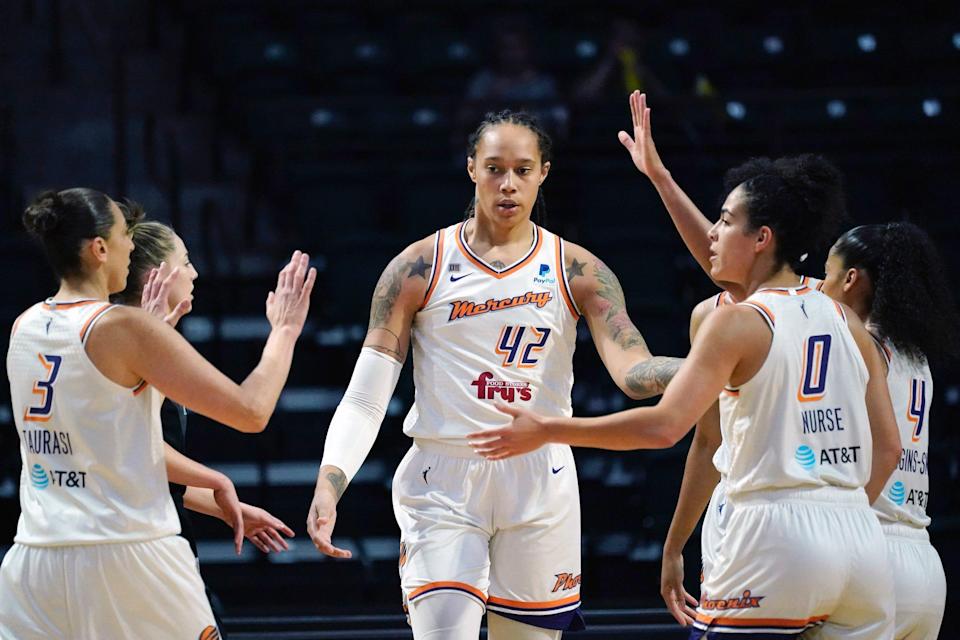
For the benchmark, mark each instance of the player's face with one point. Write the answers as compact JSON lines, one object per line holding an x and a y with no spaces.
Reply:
{"x":182,"y":287}
{"x":732,"y":240}
{"x":833,"y":280}
{"x":119,"y":248}
{"x":508,"y":174}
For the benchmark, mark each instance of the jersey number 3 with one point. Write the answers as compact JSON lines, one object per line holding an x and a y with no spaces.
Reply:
{"x":44,"y":389}
{"x":519,"y":345}
{"x":816,"y":357}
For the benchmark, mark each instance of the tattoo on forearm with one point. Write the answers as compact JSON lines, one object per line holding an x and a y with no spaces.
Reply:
{"x":651,"y":377}
{"x":614,"y":309}
{"x":386,"y":294}
{"x":339,"y":482}
{"x":419,"y":268}
{"x":575,"y":269}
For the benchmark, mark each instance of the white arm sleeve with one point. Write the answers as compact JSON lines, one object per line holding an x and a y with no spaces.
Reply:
{"x":356,"y":422}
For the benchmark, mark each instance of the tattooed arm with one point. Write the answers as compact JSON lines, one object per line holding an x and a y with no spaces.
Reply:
{"x":356,"y":422}
{"x":622,"y":348}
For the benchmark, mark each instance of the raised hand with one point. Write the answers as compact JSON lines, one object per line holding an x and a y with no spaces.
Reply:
{"x":264,"y":529}
{"x":678,"y":601}
{"x":226,"y":498}
{"x":288,"y":304}
{"x":526,"y":432}
{"x":320,"y":523}
{"x":156,"y":291}
{"x":642,"y":150}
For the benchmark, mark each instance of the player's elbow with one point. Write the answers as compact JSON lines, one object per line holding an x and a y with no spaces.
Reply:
{"x":891,"y":453}
{"x":252,"y":418}
{"x":667,"y":435}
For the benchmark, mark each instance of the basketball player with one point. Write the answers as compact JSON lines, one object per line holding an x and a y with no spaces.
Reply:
{"x":490,"y":307}
{"x":96,"y":553}
{"x":801,"y":383}
{"x":161,"y":282}
{"x":890,"y":275}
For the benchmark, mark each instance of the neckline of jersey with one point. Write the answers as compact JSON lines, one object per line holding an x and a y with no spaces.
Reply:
{"x":53,"y":305}
{"x":535,"y":243}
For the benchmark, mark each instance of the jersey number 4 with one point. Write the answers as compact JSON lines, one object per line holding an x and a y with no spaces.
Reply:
{"x":44,"y":388}
{"x":816,"y":357}
{"x":917,"y":407}
{"x":519,"y":345}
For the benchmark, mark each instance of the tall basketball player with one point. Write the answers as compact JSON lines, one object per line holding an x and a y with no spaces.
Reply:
{"x":490,"y":306}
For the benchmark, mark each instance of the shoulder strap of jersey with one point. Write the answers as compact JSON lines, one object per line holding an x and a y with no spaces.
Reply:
{"x":565,"y":290}
{"x":438,"y":242}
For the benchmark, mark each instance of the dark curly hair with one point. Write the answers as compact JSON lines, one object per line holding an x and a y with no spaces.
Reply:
{"x":912,"y":305}
{"x":800,"y":198}
{"x":62,"y":220}
{"x":544,"y":144}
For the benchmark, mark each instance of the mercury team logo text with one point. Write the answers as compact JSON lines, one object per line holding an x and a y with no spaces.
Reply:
{"x":466,"y":308}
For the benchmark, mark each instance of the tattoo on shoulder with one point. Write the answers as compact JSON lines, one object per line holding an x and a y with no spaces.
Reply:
{"x":614,"y":309}
{"x":651,"y":377}
{"x":575,"y":269}
{"x":419,"y":268}
{"x":338,"y":480}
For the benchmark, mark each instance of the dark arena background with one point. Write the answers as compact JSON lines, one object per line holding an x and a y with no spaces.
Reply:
{"x":339,"y":127}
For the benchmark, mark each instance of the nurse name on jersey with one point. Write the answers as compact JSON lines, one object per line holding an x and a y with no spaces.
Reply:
{"x":817,"y":421}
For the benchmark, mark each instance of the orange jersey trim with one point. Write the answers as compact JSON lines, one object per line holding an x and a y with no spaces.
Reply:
{"x":843,"y":314}
{"x":460,"y":586}
{"x":96,"y":314}
{"x":16,"y":323}
{"x":137,"y":390}
{"x":68,"y":305}
{"x":804,"y":290}
{"x":764,"y":310}
{"x":760,"y":622}
{"x":518,"y":604}
{"x":480,"y":264}
{"x":565,"y":292}
{"x":732,"y":392}
{"x":435,"y":277}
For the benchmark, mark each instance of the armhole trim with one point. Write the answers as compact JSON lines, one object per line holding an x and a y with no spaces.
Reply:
{"x":565,"y":286}
{"x":764,"y":312}
{"x":435,"y":272}
{"x":92,"y":320}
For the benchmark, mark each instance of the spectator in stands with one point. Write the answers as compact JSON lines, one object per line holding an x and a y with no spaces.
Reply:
{"x":512,"y":81}
{"x":622,"y":69}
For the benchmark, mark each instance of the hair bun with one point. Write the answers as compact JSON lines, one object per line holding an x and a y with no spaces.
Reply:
{"x":44,"y":214}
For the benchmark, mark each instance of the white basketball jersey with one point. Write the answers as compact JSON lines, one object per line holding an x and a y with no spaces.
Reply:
{"x":485,"y":335}
{"x":92,"y":450}
{"x":802,"y":419}
{"x":904,"y":499}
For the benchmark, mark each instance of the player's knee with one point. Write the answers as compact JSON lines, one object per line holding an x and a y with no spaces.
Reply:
{"x":501,"y":628}
{"x":446,"y":616}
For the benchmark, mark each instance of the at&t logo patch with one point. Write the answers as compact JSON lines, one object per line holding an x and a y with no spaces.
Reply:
{"x":805,"y":457}
{"x":38,"y":477}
